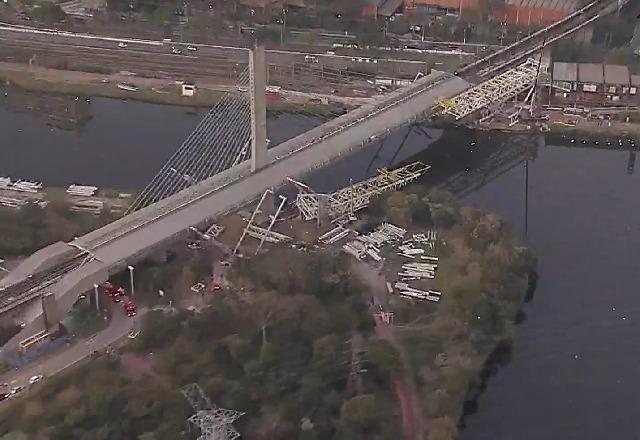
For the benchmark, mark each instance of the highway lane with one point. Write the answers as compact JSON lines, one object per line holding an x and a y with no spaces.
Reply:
{"x":204,"y":52}
{"x":61,"y":359}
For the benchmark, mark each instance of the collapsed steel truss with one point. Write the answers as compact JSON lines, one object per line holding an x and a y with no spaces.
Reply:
{"x":214,"y":423}
{"x":494,"y":91}
{"x":356,"y":196}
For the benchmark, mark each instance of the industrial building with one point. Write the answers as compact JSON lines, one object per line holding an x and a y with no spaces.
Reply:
{"x":588,"y":81}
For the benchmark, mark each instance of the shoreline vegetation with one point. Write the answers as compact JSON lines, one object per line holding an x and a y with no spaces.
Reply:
{"x":150,"y":90}
{"x":25,"y":230}
{"x":281,"y":342}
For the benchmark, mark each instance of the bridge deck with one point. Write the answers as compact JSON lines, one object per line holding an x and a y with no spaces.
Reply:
{"x":130,"y":239}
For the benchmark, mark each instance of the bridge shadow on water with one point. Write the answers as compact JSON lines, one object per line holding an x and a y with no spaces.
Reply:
{"x":461,"y":160}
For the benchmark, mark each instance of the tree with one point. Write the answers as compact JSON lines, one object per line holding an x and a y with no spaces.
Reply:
{"x":361,"y":414}
{"x":443,"y":428}
{"x":49,"y":12}
{"x":387,"y":357}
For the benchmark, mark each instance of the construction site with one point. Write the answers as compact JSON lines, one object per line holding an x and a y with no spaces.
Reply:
{"x":306,"y":220}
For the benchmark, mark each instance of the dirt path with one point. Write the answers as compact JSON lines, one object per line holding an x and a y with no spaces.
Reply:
{"x":410,"y":408}
{"x":412,"y":425}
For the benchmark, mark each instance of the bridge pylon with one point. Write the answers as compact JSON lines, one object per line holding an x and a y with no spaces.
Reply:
{"x":258,"y":86}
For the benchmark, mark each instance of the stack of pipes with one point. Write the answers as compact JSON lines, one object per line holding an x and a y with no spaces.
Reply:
{"x":82,"y":190}
{"x":418,"y":271}
{"x":334,"y":235}
{"x":26,"y":186}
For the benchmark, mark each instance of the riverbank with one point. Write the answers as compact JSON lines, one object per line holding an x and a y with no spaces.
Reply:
{"x":579,"y":126}
{"x":39,"y":219}
{"x":484,"y":279}
{"x":157,"y":91}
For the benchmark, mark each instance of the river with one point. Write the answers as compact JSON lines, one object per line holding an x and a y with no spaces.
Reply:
{"x":105,"y":142}
{"x":573,"y":371}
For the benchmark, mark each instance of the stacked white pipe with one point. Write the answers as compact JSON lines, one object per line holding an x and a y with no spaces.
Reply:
{"x":82,"y":190}
{"x":26,"y":186}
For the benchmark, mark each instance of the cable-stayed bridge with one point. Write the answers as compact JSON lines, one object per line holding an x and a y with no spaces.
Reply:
{"x":224,"y":165}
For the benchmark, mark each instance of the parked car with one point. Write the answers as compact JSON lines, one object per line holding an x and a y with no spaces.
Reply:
{"x":122,"y":45}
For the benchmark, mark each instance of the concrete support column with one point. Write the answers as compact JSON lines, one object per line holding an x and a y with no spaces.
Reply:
{"x":258,"y":75}
{"x":50,"y":314}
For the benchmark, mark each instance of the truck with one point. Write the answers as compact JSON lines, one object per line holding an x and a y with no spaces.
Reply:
{"x":129,"y":308}
{"x":115,"y":293}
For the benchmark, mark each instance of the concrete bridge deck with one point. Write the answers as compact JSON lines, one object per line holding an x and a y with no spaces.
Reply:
{"x":133,"y":237}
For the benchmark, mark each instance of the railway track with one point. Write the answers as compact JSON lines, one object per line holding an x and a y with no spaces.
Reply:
{"x":24,"y":291}
{"x":519,"y":51}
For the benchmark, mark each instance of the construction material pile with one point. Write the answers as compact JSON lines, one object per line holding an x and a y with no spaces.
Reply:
{"x":370,"y":244}
{"x":410,"y":292}
{"x":24,"y":186}
{"x":425,"y":269}
{"x":82,"y":190}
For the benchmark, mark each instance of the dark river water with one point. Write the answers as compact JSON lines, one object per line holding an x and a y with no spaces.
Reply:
{"x":574,"y":371}
{"x":104,"y":142}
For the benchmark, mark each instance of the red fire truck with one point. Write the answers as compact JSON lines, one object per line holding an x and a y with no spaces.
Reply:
{"x":129,"y":308}
{"x":115,"y":293}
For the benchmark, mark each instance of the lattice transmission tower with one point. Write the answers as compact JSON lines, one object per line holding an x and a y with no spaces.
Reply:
{"x":213,"y":423}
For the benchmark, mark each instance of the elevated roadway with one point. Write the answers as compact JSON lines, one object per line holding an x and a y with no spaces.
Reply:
{"x":517,"y":53}
{"x":139,"y":234}
{"x":135,"y":236}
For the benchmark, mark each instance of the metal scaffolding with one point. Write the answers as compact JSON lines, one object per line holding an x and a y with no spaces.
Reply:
{"x":356,"y":196}
{"x":214,"y":423}
{"x":263,"y":234}
{"x":497,"y":90}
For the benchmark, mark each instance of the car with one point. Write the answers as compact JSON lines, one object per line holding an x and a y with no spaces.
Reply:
{"x":192,"y":48}
{"x":197,"y":288}
{"x":194,"y":245}
{"x":16,"y":390}
{"x":176,"y":51}
{"x":4,"y":396}
{"x":35,"y":379}
{"x":122,"y":45}
{"x":310,"y":59}
{"x":215,"y":287}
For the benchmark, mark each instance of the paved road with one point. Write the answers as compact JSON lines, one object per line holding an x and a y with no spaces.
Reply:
{"x":206,"y":58}
{"x":64,"y":357}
